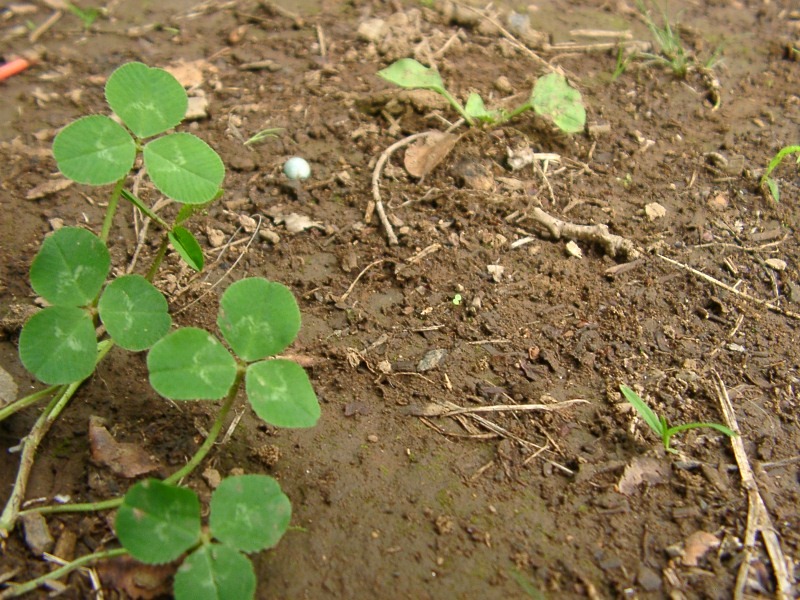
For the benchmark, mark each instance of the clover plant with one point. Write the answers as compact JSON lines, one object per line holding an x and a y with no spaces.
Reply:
{"x":551,"y":97}
{"x":88,"y":313}
{"x":659,"y":424}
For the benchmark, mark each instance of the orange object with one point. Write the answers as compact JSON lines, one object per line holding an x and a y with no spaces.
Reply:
{"x":13,"y":67}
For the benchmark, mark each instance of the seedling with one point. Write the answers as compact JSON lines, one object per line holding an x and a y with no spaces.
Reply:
{"x":87,"y":15}
{"x":668,"y":42}
{"x":262,"y":135}
{"x":766,"y":178}
{"x":659,"y":424}
{"x":60,"y":345}
{"x":552,"y":97}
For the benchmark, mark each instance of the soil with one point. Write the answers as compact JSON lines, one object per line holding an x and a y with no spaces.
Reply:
{"x":476,"y":306}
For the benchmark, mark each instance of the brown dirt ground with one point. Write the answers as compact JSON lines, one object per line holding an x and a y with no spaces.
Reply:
{"x":388,"y":504}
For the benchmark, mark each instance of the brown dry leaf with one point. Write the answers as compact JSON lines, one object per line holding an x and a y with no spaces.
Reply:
{"x":425,"y":155}
{"x":696,"y":546}
{"x":47,"y":188}
{"x":124,"y":459}
{"x":188,"y":73}
{"x":135,"y":579}
{"x":642,"y":470}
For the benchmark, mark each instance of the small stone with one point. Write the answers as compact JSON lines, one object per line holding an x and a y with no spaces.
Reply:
{"x":503,"y":85}
{"x":776,"y":264}
{"x":215,"y":237}
{"x":56,"y":223}
{"x":8,"y":388}
{"x":496,"y":271}
{"x":248,"y":223}
{"x":198,"y":107}
{"x":655,"y":211}
{"x":648,"y":579}
{"x":37,"y":534}
{"x":372,"y":30}
{"x":212,"y":477}
{"x":269,"y":235}
{"x":431,"y":360}
{"x":573,"y":249}
{"x":372,"y":438}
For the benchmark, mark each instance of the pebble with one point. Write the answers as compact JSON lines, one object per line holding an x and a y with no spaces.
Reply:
{"x":8,"y":388}
{"x":37,"y":534}
{"x":648,"y":579}
{"x":431,"y":360}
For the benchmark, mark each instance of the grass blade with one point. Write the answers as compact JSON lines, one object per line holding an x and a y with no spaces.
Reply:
{"x":647,"y":413}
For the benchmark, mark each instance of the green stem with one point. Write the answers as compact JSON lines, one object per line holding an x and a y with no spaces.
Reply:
{"x":78,"y":507}
{"x":29,"y":586}
{"x":111,"y":209}
{"x":162,"y":251}
{"x":18,"y":405}
{"x":457,"y":105}
{"x":196,"y":459}
{"x":31,"y":443}
{"x":213,"y":433}
{"x":517,"y":111}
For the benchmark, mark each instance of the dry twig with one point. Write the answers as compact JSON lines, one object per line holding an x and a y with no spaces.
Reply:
{"x":732,"y":290}
{"x":758,"y":519}
{"x":614,"y":245}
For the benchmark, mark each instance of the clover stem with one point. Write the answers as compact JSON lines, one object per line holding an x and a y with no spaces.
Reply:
{"x":456,"y":104}
{"x":31,"y":443}
{"x":111,"y":209}
{"x":198,"y":456}
{"x":517,"y":111}
{"x":18,"y":405}
{"x":29,"y":586}
{"x":213,"y":433}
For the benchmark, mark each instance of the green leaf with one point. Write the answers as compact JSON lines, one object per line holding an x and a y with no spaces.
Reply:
{"x":408,"y":73}
{"x":94,"y":150}
{"x":476,"y":109}
{"x":553,"y":97}
{"x":148,"y":100}
{"x":70,"y":267}
{"x":135,"y":313}
{"x":158,"y":522}
{"x":258,"y":318}
{"x":184,"y":167}
{"x":58,"y":345}
{"x":721,"y":428}
{"x":191,"y":364}
{"x":187,"y":246}
{"x":773,"y":188}
{"x":249,"y":512}
{"x":215,"y":572}
{"x":645,"y":411}
{"x":280,"y":393}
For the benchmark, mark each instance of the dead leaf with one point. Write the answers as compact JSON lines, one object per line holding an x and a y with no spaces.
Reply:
{"x":137,"y":580}
{"x":296,"y":223}
{"x":188,"y":73}
{"x":47,"y":188}
{"x":642,"y":470}
{"x":696,"y":547}
{"x":425,"y":155}
{"x":124,"y":459}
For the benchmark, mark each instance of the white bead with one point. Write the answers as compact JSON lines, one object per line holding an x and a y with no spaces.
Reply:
{"x":297,"y":168}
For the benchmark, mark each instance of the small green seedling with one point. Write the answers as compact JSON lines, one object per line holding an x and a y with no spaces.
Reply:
{"x":766,"y":178}
{"x":87,"y":15}
{"x":264,"y":134}
{"x":668,"y":42}
{"x":551,"y":97}
{"x":659,"y":425}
